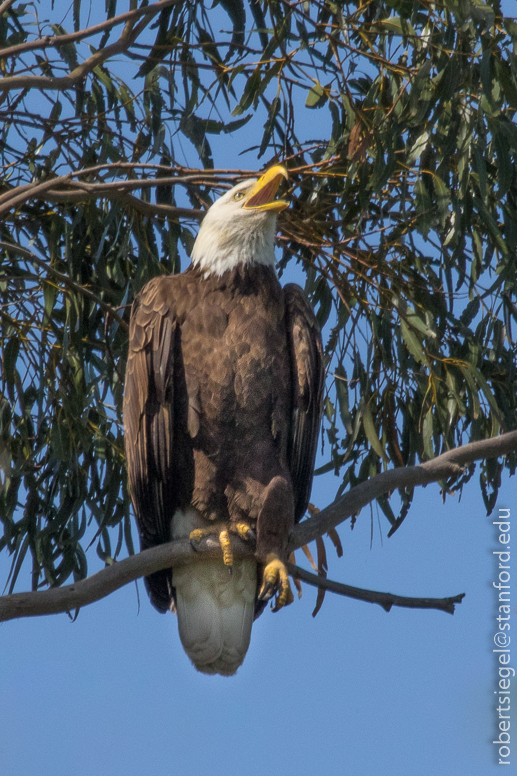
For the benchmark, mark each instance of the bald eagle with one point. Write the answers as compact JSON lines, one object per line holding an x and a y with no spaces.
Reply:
{"x":222,"y":410}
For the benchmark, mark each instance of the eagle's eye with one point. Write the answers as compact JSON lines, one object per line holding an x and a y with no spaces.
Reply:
{"x":239,"y":195}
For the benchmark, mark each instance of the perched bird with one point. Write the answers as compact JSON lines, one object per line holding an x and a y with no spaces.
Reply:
{"x":222,"y":411}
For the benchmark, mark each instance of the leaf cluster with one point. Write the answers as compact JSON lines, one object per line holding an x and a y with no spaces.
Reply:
{"x":396,"y":120}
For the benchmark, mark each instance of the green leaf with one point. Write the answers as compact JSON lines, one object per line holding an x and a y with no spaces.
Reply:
{"x":317,"y":96}
{"x":482,"y":383}
{"x":10,"y":359}
{"x":236,"y":12}
{"x":251,"y":91}
{"x":260,"y":22}
{"x":473,"y":389}
{"x":49,"y":293}
{"x":420,"y":90}
{"x":342,"y":397}
{"x":482,"y":12}
{"x":417,"y":148}
{"x":412,"y":342}
{"x":424,"y":207}
{"x":427,"y":433}
{"x":371,"y":433}
{"x":470,"y":312}
{"x":395,"y":25}
{"x":77,"y":15}
{"x":323,"y":295}
{"x":442,"y":200}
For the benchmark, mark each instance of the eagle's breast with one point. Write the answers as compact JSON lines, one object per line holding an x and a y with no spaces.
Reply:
{"x":234,"y":349}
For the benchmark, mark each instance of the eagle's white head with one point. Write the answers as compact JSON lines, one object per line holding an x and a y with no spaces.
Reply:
{"x":240,"y":227}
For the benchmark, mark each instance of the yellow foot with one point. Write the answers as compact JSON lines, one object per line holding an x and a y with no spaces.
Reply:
{"x":222,"y":531}
{"x":243,"y":530}
{"x":275,"y":580}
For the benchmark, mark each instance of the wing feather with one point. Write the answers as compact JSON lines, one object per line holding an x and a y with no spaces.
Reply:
{"x":308,"y":379}
{"x":151,"y":422}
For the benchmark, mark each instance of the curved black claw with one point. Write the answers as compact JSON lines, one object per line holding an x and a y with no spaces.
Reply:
{"x":276,"y":580}
{"x":267,"y":591}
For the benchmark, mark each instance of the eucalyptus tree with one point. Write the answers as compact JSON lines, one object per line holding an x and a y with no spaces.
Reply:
{"x":396,"y":120}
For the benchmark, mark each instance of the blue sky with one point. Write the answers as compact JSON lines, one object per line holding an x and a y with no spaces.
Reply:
{"x":353,"y":691}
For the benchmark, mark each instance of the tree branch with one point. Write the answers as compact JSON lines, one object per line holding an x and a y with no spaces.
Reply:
{"x":386,"y":600}
{"x":108,"y":580}
{"x":5,"y":6}
{"x":449,"y":464}
{"x":63,"y":189}
{"x":62,"y":40}
{"x":53,"y":190}
{"x":128,"y":36}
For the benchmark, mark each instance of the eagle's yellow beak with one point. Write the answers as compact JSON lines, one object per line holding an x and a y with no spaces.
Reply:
{"x":262,"y":193}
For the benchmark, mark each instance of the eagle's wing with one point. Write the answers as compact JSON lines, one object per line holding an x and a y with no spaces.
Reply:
{"x":154,"y":418}
{"x":308,"y":380}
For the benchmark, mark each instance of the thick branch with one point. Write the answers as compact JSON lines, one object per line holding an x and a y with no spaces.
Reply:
{"x":449,"y":464}
{"x":106,"y":581}
{"x":5,"y":5}
{"x":386,"y":600}
{"x":63,"y":189}
{"x":101,"y":584}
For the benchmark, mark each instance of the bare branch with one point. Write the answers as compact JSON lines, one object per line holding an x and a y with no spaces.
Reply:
{"x":62,"y":40}
{"x":64,"y":189}
{"x":450,"y":464}
{"x":101,"y":584}
{"x":54,"y":190}
{"x":5,"y":5}
{"x":386,"y":600}
{"x":147,"y":209}
{"x":127,"y":38}
{"x":104,"y":582}
{"x":28,"y":191}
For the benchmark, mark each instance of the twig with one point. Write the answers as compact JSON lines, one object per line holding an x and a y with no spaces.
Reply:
{"x":386,"y":600}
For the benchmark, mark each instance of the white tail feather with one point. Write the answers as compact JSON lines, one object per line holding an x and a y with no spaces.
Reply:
{"x":215,"y":613}
{"x":215,"y":608}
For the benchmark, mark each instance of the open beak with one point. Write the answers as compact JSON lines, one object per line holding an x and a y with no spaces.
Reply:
{"x":263,"y":192}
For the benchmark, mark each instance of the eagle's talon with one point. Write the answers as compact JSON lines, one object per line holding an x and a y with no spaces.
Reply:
{"x":244,"y":531}
{"x":221,"y":532}
{"x":196,"y":536}
{"x":266,"y":592}
{"x":226,"y":546}
{"x":276,"y":580}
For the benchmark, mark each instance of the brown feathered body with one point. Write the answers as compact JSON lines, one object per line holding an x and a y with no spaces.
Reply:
{"x":221,"y":411}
